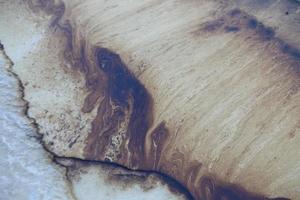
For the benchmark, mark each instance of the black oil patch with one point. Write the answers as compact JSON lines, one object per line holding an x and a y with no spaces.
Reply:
{"x":290,"y":50}
{"x":231,"y":29}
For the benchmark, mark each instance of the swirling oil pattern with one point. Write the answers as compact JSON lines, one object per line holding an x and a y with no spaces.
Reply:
{"x":206,"y":92}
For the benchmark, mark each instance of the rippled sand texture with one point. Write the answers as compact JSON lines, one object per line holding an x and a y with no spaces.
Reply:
{"x":204,"y":91}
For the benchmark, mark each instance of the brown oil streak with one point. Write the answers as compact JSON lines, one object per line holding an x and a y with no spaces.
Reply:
{"x":124,"y":91}
{"x":239,"y":22}
{"x":191,"y":174}
{"x":159,"y":137}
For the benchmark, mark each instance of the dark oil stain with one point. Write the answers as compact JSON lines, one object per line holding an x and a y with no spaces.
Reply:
{"x":290,"y":50}
{"x":206,"y":188}
{"x":252,"y":23}
{"x":214,"y":25}
{"x":211,"y":190}
{"x":225,"y":193}
{"x":124,"y":88}
{"x":193,"y":170}
{"x":159,"y":137}
{"x":73,"y":142}
{"x":266,"y":33}
{"x":235,"y":21}
{"x":235,"y":12}
{"x":291,"y":134}
{"x":231,"y":29}
{"x":119,"y":80}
